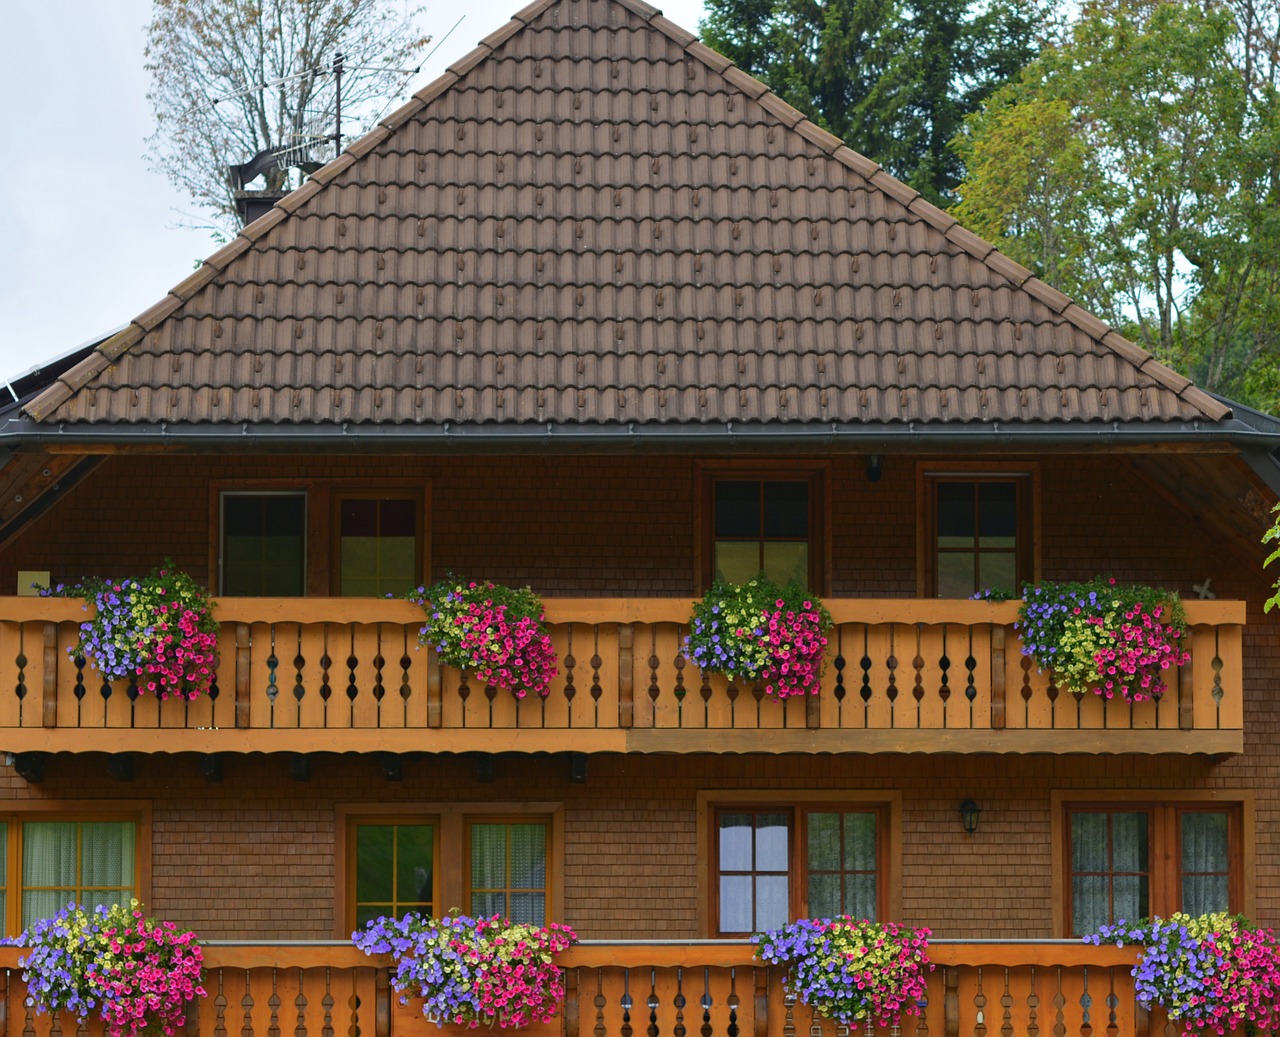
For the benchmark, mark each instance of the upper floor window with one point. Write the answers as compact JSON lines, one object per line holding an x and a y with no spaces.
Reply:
{"x":776,"y":863}
{"x":1132,"y":860}
{"x":393,"y":862}
{"x":378,"y":549}
{"x":264,"y":544}
{"x":509,"y":869}
{"x":978,"y":533}
{"x":763,"y":522}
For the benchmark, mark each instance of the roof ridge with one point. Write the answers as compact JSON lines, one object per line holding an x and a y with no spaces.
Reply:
{"x":790,"y":117}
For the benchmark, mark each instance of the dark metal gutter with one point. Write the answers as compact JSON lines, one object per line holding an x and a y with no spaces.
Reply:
{"x":1242,"y":434}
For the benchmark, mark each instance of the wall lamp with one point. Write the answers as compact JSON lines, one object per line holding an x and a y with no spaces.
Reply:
{"x":969,"y":811}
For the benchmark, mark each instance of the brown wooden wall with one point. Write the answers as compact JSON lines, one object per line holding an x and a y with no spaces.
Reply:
{"x":253,"y":855}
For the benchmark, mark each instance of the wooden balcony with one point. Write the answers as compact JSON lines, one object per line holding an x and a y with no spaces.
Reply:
{"x":665,"y":989}
{"x":335,"y":674}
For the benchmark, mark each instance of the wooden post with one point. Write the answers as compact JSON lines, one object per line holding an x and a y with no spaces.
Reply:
{"x":50,"y":692}
{"x":434,"y":703}
{"x":951,"y":1001}
{"x":571,"y":1002}
{"x":626,"y":676}
{"x":242,"y":675}
{"x":382,"y":1004}
{"x":762,"y":1002}
{"x":1186,"y":694}
{"x":997,"y":677}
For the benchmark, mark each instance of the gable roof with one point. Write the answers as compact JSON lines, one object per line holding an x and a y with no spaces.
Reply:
{"x":594,"y":220}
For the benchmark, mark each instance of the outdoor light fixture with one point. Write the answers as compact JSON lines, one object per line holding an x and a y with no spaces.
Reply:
{"x":969,"y":811}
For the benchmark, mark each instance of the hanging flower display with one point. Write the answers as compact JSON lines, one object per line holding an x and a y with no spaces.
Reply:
{"x":1116,"y":639}
{"x":758,"y":631}
{"x":473,"y":971}
{"x":158,"y":631}
{"x":115,"y":964}
{"x":498,"y":633}
{"x":1211,"y":973}
{"x":851,"y":970}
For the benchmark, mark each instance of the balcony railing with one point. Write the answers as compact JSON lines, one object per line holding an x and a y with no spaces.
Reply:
{"x":664,"y":989}
{"x":304,"y":674}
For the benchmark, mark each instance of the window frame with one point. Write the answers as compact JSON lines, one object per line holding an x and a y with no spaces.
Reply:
{"x":887,"y":805}
{"x":354,"y":821}
{"x":452,"y":879}
{"x":1026,"y":478}
{"x":344,"y":493}
{"x":138,"y":812}
{"x":816,"y":473}
{"x":219,"y":536}
{"x":1165,"y":808}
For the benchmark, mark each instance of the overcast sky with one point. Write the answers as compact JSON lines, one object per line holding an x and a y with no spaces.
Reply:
{"x":89,"y":233}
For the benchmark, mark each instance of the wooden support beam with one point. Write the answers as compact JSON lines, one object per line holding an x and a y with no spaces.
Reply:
{"x":120,"y":766}
{"x":31,"y":766}
{"x":300,"y":767}
{"x":210,"y":766}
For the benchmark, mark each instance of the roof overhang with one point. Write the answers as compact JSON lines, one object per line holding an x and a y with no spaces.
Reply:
{"x":1256,"y":440}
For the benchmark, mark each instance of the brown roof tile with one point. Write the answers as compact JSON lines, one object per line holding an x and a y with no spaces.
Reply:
{"x":593,"y":218}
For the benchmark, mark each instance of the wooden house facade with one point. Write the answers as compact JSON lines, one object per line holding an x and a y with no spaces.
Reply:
{"x":597,"y":313}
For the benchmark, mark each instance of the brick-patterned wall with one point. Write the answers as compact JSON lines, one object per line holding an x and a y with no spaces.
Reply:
{"x":253,"y":856}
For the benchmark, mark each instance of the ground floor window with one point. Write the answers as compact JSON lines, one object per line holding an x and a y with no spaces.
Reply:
{"x":771,"y":862}
{"x":1130,"y":860}
{"x":497,"y":860}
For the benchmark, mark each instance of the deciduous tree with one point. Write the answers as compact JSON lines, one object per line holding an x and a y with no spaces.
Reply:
{"x":231,"y":78}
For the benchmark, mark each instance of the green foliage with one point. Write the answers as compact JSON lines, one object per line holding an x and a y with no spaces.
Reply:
{"x":893,"y":78}
{"x":1136,"y":166}
{"x":1270,"y":536}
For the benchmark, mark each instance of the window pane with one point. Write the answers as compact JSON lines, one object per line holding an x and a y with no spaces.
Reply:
{"x":997,"y":513}
{"x":771,"y":904}
{"x":735,"y":903}
{"x":1204,"y":841}
{"x":860,"y":896}
{"x":735,"y":842}
{"x":771,"y":842}
{"x":374,"y":849}
{"x":737,"y":509}
{"x":1130,"y":898}
{"x":399,"y":519}
{"x":786,"y":562}
{"x":1089,"y":904}
{"x":737,"y":561}
{"x":359,"y":518}
{"x":528,"y":856}
{"x":955,"y":513}
{"x":860,"y":842}
{"x":414,"y":864}
{"x":263,"y":538}
{"x":998,"y":571}
{"x":824,"y":842}
{"x":529,"y":907}
{"x":49,"y":854}
{"x":107,"y":855}
{"x":378,"y":547}
{"x":786,"y":510}
{"x":1129,"y":838}
{"x":1205,"y":894}
{"x":824,"y":895}
{"x":485,"y":904}
{"x":1088,"y":841}
{"x":956,"y":574}
{"x":488,"y":856}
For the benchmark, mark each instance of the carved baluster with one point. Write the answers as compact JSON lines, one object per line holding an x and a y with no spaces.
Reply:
{"x":273,"y":1003}
{"x":300,"y":1003}
{"x":20,"y":689}
{"x":979,"y":1009}
{"x":273,"y":665}
{"x":680,"y":689}
{"x":970,"y":666}
{"x":220,"y":1010}
{"x":299,"y":687}
{"x":406,"y":687}
{"x":28,"y":1026}
{"x":1217,"y":691}
{"x":353,"y":689}
{"x":1086,"y":1003}
{"x":653,"y":1002}
{"x":464,"y":693}
{"x":1025,"y":665}
{"x":654,"y":662}
{"x":379,"y":662}
{"x":865,"y":663}
{"x":705,"y":1003}
{"x":626,"y":1003}
{"x":1006,"y":1005}
{"x":599,"y":1002}
{"x":326,"y":1030}
{"x":1059,"y":1006}
{"x":55,"y":1024}
{"x":1186,"y":693}
{"x":841,"y":691}
{"x":789,"y":1018}
{"x":570,"y":661}
{"x":732,"y":1002}
{"x":917,"y":664}
{"x":679,"y":1001}
{"x":892,"y":663}
{"x":79,"y":690}
{"x":596,"y":662}
{"x":1113,"y":1002}
{"x":246,"y":1003}
{"x":1033,"y":1006}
